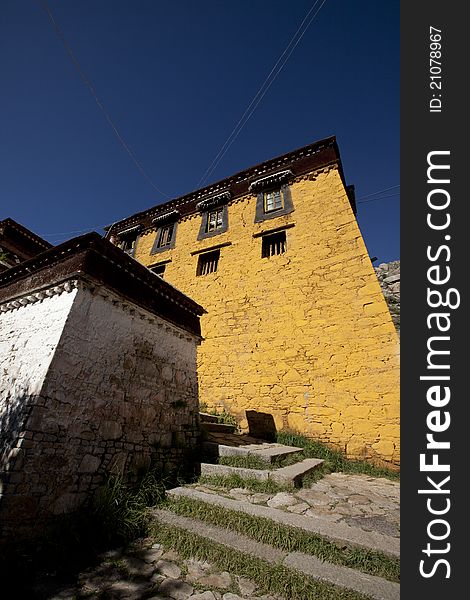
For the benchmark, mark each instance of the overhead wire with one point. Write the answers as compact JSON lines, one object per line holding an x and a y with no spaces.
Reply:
{"x":269,"y":80}
{"x":376,"y":199}
{"x":380,"y":191}
{"x":99,"y":103}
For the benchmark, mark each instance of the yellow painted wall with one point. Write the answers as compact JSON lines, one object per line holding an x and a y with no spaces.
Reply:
{"x":306,"y":335}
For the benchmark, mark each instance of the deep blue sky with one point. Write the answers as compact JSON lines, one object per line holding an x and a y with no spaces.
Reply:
{"x":175,"y":76}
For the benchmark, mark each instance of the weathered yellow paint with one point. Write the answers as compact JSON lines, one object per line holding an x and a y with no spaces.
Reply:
{"x":305,"y":335}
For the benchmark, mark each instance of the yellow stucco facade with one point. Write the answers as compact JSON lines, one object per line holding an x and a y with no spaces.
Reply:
{"x":304,"y":335}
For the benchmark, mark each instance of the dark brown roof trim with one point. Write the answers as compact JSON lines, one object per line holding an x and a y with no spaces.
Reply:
{"x":93,"y":258}
{"x":303,"y":160}
{"x":21,"y":240}
{"x":270,"y":180}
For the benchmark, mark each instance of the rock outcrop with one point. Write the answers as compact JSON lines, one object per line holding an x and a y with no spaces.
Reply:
{"x":388,"y":275}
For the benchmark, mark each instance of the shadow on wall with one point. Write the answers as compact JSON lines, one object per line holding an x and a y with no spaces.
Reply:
{"x":15,"y":412}
{"x":261,"y":425}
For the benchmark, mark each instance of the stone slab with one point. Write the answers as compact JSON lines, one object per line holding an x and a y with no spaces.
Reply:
{"x":375,"y":587}
{"x":267,"y":452}
{"x":293,"y":473}
{"x":221,"y":536}
{"x":218,"y":427}
{"x":260,"y":474}
{"x":335,"y":532}
{"x":370,"y":585}
{"x":207,"y":418}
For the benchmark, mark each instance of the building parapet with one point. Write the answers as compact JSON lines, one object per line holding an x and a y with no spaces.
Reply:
{"x":97,"y":260}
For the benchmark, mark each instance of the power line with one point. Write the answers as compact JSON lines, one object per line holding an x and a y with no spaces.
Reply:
{"x":380,"y":191}
{"x":261,"y":92}
{"x":375,"y":199}
{"x":92,"y":91}
{"x":63,"y":233}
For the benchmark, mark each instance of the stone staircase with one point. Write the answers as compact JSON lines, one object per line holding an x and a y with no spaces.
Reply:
{"x":266,"y":526}
{"x":220,"y":440}
{"x":368,"y":586}
{"x":348,"y":582}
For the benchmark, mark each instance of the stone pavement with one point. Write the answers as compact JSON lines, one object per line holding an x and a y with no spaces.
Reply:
{"x":361,"y":501}
{"x":146,"y":571}
{"x":339,"y":501}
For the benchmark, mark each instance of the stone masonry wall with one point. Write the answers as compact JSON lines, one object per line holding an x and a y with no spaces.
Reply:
{"x":388,"y":275}
{"x":306,"y":335}
{"x":28,"y":338}
{"x":115,"y":389}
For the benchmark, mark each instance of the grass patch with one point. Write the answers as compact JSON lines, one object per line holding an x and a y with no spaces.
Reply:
{"x":115,"y":515}
{"x":334,"y":460}
{"x":255,"y":462}
{"x":223,"y":417}
{"x":236,"y":481}
{"x":288,"y":538}
{"x":120,"y":512}
{"x":274,"y":579}
{"x":247,"y":462}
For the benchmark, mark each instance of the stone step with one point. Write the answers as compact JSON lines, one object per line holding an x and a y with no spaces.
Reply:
{"x":266,"y":451}
{"x":259,"y":474}
{"x":218,"y":427}
{"x":292,"y":474}
{"x":374,"y":587}
{"x":336,"y":532}
{"x":207,"y":418}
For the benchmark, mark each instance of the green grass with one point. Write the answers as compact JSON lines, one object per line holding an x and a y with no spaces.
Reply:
{"x":247,"y":462}
{"x":223,"y":417}
{"x":334,"y":460}
{"x":236,"y":481}
{"x":287,"y":538}
{"x":274,"y":579}
{"x":254,"y":462}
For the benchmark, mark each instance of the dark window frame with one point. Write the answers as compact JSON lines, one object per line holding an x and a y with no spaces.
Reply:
{"x":276,"y":239}
{"x":158,"y":269}
{"x":133,"y":238}
{"x":288,"y":207}
{"x":204,"y":259}
{"x":203,"y":233}
{"x":156,"y":248}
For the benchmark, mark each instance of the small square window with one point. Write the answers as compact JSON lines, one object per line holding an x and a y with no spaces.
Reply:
{"x":166,"y":235}
{"x":215,"y":219}
{"x":273,"y":244}
{"x":158,"y":269}
{"x":208,"y":263}
{"x":273,"y":200}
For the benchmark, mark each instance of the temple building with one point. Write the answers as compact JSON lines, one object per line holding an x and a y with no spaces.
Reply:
{"x":296,"y":324}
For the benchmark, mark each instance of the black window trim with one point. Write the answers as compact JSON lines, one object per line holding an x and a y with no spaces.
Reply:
{"x":261,"y":215}
{"x":203,"y":234}
{"x":215,"y":252}
{"x":128,"y":233}
{"x":156,"y":249}
{"x":210,"y":204}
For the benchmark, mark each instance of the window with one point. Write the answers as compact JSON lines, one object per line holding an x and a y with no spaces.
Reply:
{"x":166,"y":225}
{"x":128,"y":242}
{"x":165,"y":237}
{"x":215,"y":220}
{"x":158,"y":269}
{"x":273,"y":244}
{"x":208,"y":262}
{"x":273,"y":200}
